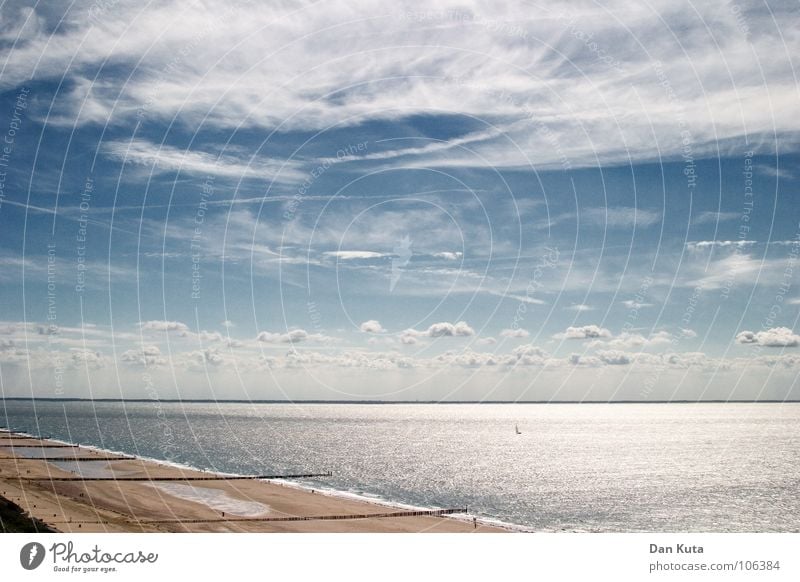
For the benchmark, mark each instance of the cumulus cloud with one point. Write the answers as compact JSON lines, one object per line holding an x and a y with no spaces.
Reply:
{"x":144,"y":356}
{"x":372,"y":326}
{"x":442,"y":329}
{"x":348,"y":359}
{"x":51,"y":329}
{"x":466,"y":359}
{"x":614,"y":357}
{"x":580,"y":307}
{"x":203,"y":358}
{"x":691,"y":359}
{"x":583,"y":332}
{"x":628,"y":340}
{"x":210,"y":336}
{"x":88,"y":358}
{"x":216,"y":337}
{"x":529,"y":355}
{"x":159,"y":325}
{"x":517,"y":332}
{"x":292,"y":336}
{"x":777,"y":337}
{"x":448,"y":256}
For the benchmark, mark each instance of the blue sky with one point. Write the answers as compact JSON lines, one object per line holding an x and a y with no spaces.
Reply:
{"x":411,"y":201}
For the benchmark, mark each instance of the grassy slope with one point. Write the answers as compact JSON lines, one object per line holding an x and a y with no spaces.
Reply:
{"x":14,"y":520}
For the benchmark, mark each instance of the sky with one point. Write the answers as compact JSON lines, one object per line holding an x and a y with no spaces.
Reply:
{"x":400,"y":200}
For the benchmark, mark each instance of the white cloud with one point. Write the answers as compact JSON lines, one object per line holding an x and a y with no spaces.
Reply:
{"x":725,"y":272}
{"x":628,"y":340}
{"x":372,"y":326}
{"x":774,"y":171}
{"x":691,"y":359}
{"x":621,"y":216}
{"x":165,"y":158}
{"x":159,"y":325}
{"x":777,"y":337}
{"x":355,"y":255}
{"x":202,"y":63}
{"x":144,"y":356}
{"x":583,"y":332}
{"x":201,"y":359}
{"x":292,"y":336}
{"x":443,"y":329}
{"x":530,"y":355}
{"x":709,"y":217}
{"x":631,"y":304}
{"x":614,"y":357}
{"x":215,"y":336}
{"x":580,"y":307}
{"x":87,"y":358}
{"x":517,"y":297}
{"x":448,"y":256}
{"x":517,"y":332}
{"x":707,"y":244}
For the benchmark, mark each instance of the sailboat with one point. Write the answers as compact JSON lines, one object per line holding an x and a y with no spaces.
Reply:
{"x":516,"y":429}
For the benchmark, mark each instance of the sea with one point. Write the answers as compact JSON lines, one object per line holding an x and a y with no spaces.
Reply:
{"x":623,"y":467}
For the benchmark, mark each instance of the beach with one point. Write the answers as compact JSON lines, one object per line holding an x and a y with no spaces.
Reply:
{"x":129,"y":497}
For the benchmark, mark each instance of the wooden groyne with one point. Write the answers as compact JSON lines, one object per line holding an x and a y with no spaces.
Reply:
{"x":389,"y":514}
{"x":208,"y":478}
{"x":39,"y":446}
{"x":72,"y":458}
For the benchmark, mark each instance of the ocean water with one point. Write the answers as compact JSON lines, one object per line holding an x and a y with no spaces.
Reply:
{"x":575,"y":467}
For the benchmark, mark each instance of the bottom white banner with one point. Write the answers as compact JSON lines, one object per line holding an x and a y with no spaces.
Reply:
{"x":657,"y":557}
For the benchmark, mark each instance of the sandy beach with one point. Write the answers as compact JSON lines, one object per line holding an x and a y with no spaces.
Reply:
{"x":178,"y":505}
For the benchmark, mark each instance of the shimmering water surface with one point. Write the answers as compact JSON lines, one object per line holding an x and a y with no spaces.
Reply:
{"x":575,"y":467}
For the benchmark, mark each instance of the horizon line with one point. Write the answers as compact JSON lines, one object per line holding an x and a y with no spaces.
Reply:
{"x":322,"y":401}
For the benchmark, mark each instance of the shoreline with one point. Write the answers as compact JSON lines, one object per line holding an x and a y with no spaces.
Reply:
{"x":315,"y":401}
{"x":133,"y":500}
